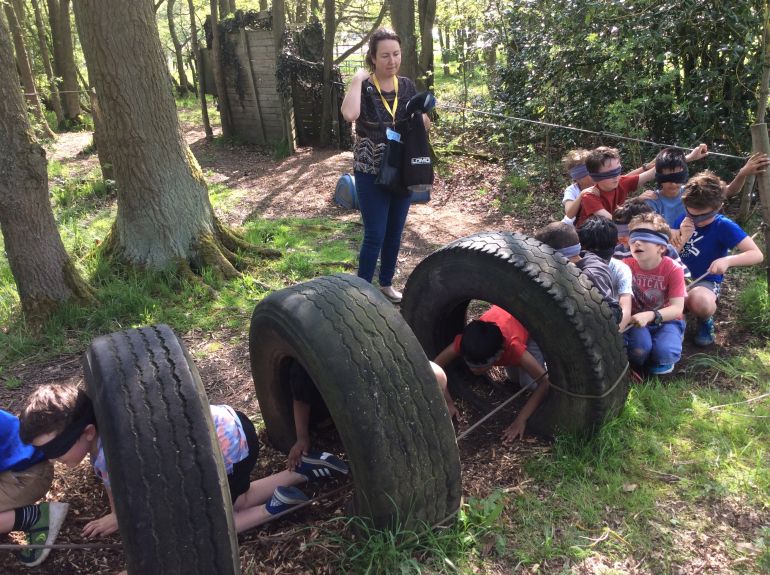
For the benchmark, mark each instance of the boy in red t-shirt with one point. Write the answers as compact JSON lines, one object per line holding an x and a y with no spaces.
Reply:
{"x":498,"y":339}
{"x":611,"y":188}
{"x":655,"y":341}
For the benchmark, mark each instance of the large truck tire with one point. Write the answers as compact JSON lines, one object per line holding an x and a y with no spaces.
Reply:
{"x":166,"y":469}
{"x":559,"y":307}
{"x":379,"y":389}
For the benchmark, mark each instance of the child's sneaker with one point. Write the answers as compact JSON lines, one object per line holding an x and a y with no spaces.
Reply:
{"x":317,"y":465}
{"x":284,"y":498}
{"x":704,"y":336}
{"x":661,"y":369}
{"x":44,"y":532}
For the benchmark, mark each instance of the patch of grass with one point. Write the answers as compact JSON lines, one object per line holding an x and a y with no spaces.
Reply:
{"x":667,"y":445}
{"x":475,"y":534}
{"x":754,"y":307}
{"x":56,"y":169}
{"x":128,"y":298}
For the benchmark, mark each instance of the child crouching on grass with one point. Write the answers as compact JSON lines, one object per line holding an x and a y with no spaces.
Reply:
{"x":654,"y":342}
{"x":60,"y":420}
{"x":708,"y":237}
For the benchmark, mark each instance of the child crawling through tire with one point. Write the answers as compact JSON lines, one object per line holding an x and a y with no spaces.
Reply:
{"x":59,"y":419}
{"x":498,"y":339}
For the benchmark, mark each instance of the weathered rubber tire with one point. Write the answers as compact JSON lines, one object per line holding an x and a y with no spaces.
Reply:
{"x":378,"y":385}
{"x":559,"y":307}
{"x":166,"y":469}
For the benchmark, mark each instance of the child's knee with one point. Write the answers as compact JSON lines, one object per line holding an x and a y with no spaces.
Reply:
{"x":637,"y":354}
{"x":702,"y":302}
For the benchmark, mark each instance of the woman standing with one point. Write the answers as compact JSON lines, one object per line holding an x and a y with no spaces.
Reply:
{"x":376,"y":102}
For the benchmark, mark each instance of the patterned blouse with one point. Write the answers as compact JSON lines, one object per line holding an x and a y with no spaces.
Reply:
{"x":370,"y":134}
{"x":232,"y":442}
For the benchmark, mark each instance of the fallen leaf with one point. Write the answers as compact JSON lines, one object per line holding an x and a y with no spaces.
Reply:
{"x":629,"y":487}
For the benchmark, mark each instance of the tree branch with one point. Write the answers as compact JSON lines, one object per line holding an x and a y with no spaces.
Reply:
{"x":365,"y":39}
{"x":158,"y":4}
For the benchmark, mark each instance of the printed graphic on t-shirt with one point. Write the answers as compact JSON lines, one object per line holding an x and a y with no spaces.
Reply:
{"x":649,"y":290}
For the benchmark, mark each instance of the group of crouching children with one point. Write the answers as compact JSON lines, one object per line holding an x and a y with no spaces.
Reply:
{"x":638,"y":252}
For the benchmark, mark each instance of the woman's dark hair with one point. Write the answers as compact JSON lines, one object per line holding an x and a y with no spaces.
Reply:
{"x":481,"y":341}
{"x":377,"y":37}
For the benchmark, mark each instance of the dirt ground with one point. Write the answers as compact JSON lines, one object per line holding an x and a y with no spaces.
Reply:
{"x":302,"y":185}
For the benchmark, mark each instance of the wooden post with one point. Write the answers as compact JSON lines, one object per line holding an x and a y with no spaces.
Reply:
{"x":253,"y":84}
{"x":760,"y":142}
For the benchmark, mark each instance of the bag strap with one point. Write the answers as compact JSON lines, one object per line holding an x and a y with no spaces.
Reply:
{"x":370,"y":91}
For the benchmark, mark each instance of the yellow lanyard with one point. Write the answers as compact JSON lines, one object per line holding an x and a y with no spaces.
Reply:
{"x":392,"y":111}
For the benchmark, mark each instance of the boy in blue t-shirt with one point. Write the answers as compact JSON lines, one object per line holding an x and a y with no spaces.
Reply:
{"x":708,"y":237}
{"x":671,"y":176}
{"x":25,"y":477}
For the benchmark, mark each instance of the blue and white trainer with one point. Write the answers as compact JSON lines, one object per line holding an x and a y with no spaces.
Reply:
{"x":321,"y":465}
{"x":284,"y":498}
{"x":705,"y":334}
{"x":662,"y":369}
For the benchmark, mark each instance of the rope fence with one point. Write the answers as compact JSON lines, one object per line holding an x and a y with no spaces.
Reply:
{"x":601,"y":134}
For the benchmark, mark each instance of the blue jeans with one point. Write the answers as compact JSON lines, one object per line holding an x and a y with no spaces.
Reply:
{"x":384,"y":216}
{"x":655,"y":344}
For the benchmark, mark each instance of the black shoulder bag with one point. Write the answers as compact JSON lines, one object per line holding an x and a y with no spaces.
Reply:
{"x":389,"y":174}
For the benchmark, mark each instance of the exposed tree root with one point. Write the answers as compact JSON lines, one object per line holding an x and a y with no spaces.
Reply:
{"x":224,"y":253}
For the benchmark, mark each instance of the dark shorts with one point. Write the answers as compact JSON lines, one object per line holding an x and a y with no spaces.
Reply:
{"x":303,"y":389}
{"x":709,"y":285}
{"x":240,"y":477}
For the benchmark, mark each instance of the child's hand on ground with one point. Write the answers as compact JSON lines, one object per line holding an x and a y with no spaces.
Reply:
{"x":107,"y":525}
{"x":756,"y":164}
{"x":698,"y":153}
{"x":648,"y":195}
{"x":297,"y":451}
{"x":514,"y":431}
{"x":719,"y":266}
{"x":452,"y":408}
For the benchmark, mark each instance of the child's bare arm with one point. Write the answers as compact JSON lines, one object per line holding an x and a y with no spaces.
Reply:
{"x":302,"y":430}
{"x":572,"y":207}
{"x":447,"y":356}
{"x":535,"y":370}
{"x":756,"y":164}
{"x":673,"y":311}
{"x":625,"y":300}
{"x":748,"y":255}
{"x":103,"y":526}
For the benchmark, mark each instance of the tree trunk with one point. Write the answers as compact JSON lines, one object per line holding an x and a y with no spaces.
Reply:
{"x":164,"y":216}
{"x":365,"y":38}
{"x":101,"y":142}
{"x":279,"y":27}
{"x":64,"y":58}
{"x":315,"y":8}
{"x":427,"y":12}
{"x":444,"y":50}
{"x":25,"y":70}
{"x":330,"y":25}
{"x":226,"y":7}
{"x":201,"y":75}
{"x":402,"y":17}
{"x":44,"y":274}
{"x":301,"y":12}
{"x":184,"y":88}
{"x":45,"y":56}
{"x":219,"y":74}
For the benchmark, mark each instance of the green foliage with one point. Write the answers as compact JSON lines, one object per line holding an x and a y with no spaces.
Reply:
{"x":754,"y":307}
{"x":652,"y":70}
{"x":474,"y":533}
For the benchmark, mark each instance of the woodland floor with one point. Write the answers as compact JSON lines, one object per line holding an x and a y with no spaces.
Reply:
{"x":301,"y":186}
